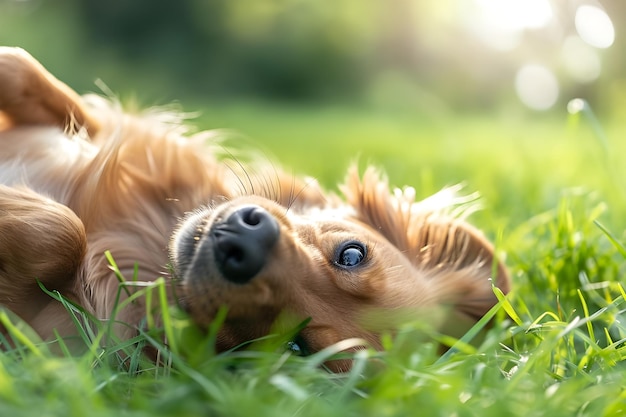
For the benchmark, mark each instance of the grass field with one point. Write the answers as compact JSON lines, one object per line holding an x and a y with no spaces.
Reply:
{"x":553,"y":201}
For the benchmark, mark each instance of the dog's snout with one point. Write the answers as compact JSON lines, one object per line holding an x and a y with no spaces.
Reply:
{"x":243,"y":241}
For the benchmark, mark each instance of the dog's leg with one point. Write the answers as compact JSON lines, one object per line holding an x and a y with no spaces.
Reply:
{"x":30,"y":95}
{"x":40,"y":240}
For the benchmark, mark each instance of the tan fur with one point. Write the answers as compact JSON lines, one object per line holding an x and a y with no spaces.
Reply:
{"x":81,"y":177}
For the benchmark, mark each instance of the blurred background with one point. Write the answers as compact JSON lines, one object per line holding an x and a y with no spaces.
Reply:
{"x":421,"y":87}
{"x":462,"y":54}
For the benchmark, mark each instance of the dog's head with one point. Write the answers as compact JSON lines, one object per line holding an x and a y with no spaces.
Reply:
{"x":345,"y":266}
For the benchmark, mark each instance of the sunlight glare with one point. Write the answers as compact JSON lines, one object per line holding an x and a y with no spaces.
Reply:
{"x":536,"y":87}
{"x":594,"y":26}
{"x":516,"y":14}
{"x":499,"y":23}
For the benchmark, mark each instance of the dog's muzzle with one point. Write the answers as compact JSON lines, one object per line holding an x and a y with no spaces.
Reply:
{"x":242,"y":241}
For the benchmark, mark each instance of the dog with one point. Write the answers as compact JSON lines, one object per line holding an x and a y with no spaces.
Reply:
{"x":80,"y":177}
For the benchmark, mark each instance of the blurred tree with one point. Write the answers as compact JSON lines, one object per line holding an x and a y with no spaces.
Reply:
{"x":462,"y":54}
{"x":278,"y":49}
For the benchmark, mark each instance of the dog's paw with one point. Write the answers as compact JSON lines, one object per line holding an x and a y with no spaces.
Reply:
{"x":30,"y":95}
{"x":24,"y":89}
{"x":17,"y":68}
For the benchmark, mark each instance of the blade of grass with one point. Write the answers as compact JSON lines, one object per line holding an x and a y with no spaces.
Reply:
{"x":465,"y":340}
{"x":586,"y":313}
{"x":18,"y":335}
{"x":116,"y":269}
{"x":331,"y":352}
{"x":612,"y":238}
{"x":85,"y":331}
{"x":166,"y":317}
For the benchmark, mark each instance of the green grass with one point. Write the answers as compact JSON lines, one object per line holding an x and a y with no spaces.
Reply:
{"x":553,"y":204}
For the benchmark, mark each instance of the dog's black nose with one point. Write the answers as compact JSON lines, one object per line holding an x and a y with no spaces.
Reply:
{"x":243,"y":241}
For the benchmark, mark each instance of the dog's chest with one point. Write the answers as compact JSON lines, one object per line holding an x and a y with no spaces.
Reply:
{"x":42,"y":159}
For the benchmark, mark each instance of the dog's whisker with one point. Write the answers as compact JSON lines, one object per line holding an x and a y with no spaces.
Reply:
{"x":240,"y":183}
{"x":248,"y":177}
{"x":307,"y":184}
{"x":237,"y":173}
{"x":269,"y":187}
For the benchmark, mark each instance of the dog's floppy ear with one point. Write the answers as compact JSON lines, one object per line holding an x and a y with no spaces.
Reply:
{"x":30,"y":95}
{"x":456,"y":259}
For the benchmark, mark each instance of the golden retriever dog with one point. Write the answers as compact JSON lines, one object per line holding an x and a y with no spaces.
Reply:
{"x":79,"y":177}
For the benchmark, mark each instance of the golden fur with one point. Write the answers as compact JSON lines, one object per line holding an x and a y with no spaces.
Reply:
{"x":81,"y":177}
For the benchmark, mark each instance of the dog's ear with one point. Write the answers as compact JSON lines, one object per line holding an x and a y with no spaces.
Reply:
{"x":456,"y":259}
{"x":30,"y":95}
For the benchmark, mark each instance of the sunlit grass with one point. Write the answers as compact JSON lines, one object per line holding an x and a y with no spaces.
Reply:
{"x":556,"y":346}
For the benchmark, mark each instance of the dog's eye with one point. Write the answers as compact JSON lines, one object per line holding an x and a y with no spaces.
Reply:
{"x":298,"y":347}
{"x":350,"y":254}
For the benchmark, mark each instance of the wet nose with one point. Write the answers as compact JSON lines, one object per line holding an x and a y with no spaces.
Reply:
{"x":242,"y":242}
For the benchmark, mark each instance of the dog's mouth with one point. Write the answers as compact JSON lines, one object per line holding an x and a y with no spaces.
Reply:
{"x":232,"y":243}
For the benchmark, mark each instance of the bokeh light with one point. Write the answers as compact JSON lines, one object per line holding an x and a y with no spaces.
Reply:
{"x":594,"y":26}
{"x":526,"y":30}
{"x":580,"y":61}
{"x":537,"y":87}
